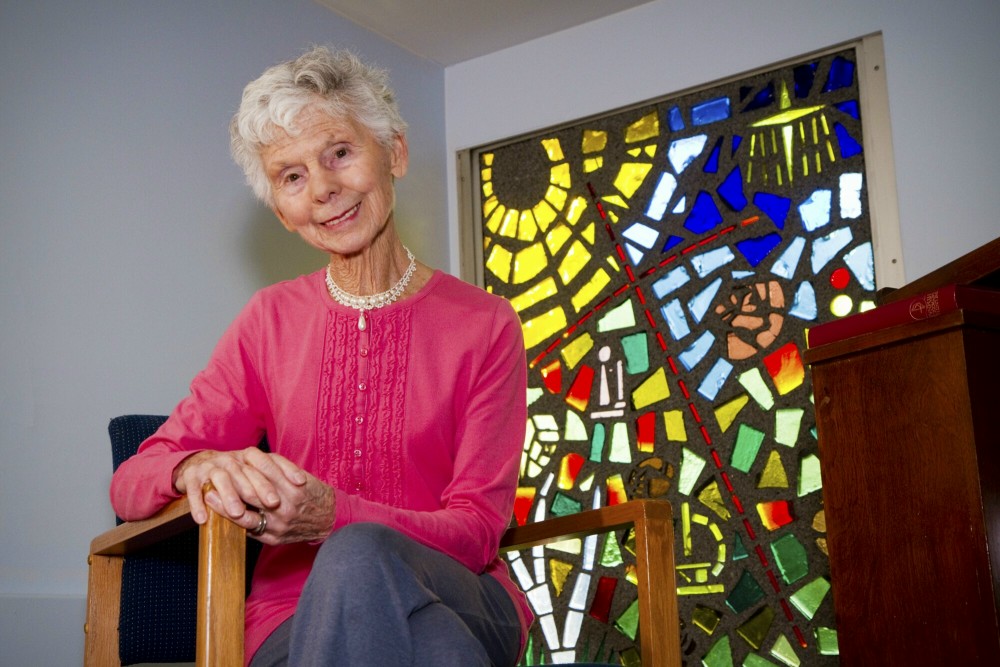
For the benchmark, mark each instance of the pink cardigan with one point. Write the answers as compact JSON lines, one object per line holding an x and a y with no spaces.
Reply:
{"x":417,"y":422}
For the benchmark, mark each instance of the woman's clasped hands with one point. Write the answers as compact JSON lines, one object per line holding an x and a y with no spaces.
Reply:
{"x":274,"y":499}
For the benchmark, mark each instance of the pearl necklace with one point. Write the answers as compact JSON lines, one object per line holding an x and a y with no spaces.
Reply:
{"x":372,"y":301}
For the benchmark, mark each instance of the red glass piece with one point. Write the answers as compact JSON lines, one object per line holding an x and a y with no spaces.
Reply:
{"x":552,"y":376}
{"x":840,"y":278}
{"x":569,"y":469}
{"x":578,"y":395}
{"x":600,"y":607}
{"x":522,"y":503}
{"x":646,"y":431}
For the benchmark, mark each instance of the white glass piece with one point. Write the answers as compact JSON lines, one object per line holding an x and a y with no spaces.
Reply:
{"x":540,"y":599}
{"x":661,"y":196}
{"x":701,"y":302}
{"x":521,"y":572}
{"x":673,"y":313}
{"x":668,"y":283}
{"x":549,"y":631}
{"x":697,"y":350}
{"x":684,"y":151}
{"x":634,"y":254}
{"x":681,"y":206}
{"x":716,"y":378}
{"x":589,"y":551}
{"x":707,"y":262}
{"x":815,"y":211}
{"x":642,"y":235}
{"x":804,"y":303}
{"x":850,"y":195}
{"x":861,"y":262}
{"x":785,"y":265}
{"x":580,"y":589}
{"x":563,"y":657}
{"x":827,"y":247}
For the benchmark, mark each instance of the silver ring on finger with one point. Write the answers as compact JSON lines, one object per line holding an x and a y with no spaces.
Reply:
{"x":261,"y":525}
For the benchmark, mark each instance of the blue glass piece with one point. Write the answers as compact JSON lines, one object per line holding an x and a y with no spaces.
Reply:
{"x":737,"y":140}
{"x":634,"y":254}
{"x":712,"y":163}
{"x":716,"y":378}
{"x":804,"y":76}
{"x":675,"y":120}
{"x":841,"y":74}
{"x":731,"y":190}
{"x":681,"y":205}
{"x":683,"y":152}
{"x":849,"y":147}
{"x":804,"y":303}
{"x":661,"y":196}
{"x":697,"y":350}
{"x":755,"y":250}
{"x":709,"y":261}
{"x":827,"y":247}
{"x":785,"y":265}
{"x":673,"y":313}
{"x":710,"y":111}
{"x":702,"y":301}
{"x":850,"y":107}
{"x":641,"y":234}
{"x":861,"y":262}
{"x":815,"y":210}
{"x":671,"y":242}
{"x":764,"y":98}
{"x":704,"y":214}
{"x":743,"y":275}
{"x":773,"y":206}
{"x":670,"y":282}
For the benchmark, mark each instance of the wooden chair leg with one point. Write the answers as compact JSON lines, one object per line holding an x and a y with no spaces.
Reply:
{"x":221,"y":593}
{"x":103,"y":607}
{"x":654,"y":547}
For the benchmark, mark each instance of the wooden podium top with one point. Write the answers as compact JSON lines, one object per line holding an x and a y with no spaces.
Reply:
{"x":981,"y":267}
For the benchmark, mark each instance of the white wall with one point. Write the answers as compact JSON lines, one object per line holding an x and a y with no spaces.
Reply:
{"x":128,"y":243}
{"x":942,"y":61}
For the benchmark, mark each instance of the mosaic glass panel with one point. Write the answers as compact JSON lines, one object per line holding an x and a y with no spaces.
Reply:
{"x":666,"y":262}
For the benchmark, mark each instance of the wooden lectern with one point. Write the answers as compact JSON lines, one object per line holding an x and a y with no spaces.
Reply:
{"x":908,"y":421}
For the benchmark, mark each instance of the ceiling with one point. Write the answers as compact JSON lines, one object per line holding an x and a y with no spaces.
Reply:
{"x":451,"y":31}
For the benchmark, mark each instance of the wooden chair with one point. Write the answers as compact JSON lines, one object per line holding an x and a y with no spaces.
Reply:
{"x":222,"y":568}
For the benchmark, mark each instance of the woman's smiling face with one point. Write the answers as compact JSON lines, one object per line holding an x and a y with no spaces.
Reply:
{"x":333,"y":182}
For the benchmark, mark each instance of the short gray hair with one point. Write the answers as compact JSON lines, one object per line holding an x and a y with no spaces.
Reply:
{"x":335,"y":80}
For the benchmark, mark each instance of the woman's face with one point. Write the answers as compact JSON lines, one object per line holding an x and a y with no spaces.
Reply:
{"x":333,"y":183}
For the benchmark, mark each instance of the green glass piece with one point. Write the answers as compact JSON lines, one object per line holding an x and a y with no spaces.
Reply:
{"x":706,"y":618}
{"x":790,"y":557}
{"x":783,"y":651}
{"x":636,"y":349}
{"x":621,"y":445}
{"x":808,"y":598}
{"x":622,"y":317}
{"x":597,"y":443}
{"x":787,"y":422}
{"x":754,"y":383}
{"x":745,"y":594}
{"x":748,"y":442}
{"x":611,"y":555}
{"x":739,"y":551}
{"x":563,"y":505}
{"x":810,"y":478}
{"x":720,"y":655}
{"x":631,"y":658}
{"x":691,"y":467}
{"x":754,"y":660}
{"x":826,"y":641}
{"x":755,"y":630}
{"x":628,"y":622}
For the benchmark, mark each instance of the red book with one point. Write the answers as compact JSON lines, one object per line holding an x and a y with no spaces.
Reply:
{"x":927,"y":305}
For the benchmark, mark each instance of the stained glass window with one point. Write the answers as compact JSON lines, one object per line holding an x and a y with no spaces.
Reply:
{"x":666,"y":262}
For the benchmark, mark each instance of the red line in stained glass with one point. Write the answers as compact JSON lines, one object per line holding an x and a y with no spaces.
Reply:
{"x":666,"y":261}
{"x":694,"y":411}
{"x":787,"y":610}
{"x":726,"y":230}
{"x":642,"y":297}
{"x":738,"y":503}
{"x":708,"y":239}
{"x":649,"y":317}
{"x":621,"y":290}
{"x":798,"y":635}
{"x":705,"y":435}
{"x":763,"y":561}
{"x":603,"y":303}
{"x":631,"y":276}
{"x":725,"y":480}
{"x":600,"y":210}
{"x":717,"y":458}
{"x":774,"y":581}
{"x":673,"y":367}
{"x":750,"y":220}
{"x":620,"y":252}
{"x":662,"y":343}
{"x":749,"y":528}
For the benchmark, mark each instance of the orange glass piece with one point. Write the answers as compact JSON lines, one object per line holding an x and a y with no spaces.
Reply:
{"x":569,"y":468}
{"x":523,"y":501}
{"x":785,"y":368}
{"x":615,"y":486}
{"x":645,"y":431}
{"x":552,"y":376}
{"x":775,"y":514}
{"x":579,"y":392}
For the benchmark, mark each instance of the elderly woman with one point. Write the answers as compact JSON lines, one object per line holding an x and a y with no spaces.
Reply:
{"x":392,"y":396}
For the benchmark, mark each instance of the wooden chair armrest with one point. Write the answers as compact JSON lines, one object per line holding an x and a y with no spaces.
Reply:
{"x":659,"y":625}
{"x":221,"y":583}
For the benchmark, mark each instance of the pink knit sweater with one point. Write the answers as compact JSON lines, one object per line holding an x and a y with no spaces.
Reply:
{"x":417,"y":422}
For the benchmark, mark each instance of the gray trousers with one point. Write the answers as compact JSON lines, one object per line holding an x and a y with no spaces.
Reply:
{"x":376,"y":597}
